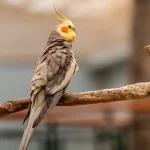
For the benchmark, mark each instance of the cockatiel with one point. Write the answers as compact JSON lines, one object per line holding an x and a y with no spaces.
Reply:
{"x":52,"y":74}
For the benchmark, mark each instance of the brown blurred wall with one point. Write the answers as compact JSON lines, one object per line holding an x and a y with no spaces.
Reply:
{"x":141,"y":68}
{"x":141,"y":38}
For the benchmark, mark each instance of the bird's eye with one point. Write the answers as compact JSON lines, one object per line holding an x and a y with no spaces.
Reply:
{"x":69,"y":27}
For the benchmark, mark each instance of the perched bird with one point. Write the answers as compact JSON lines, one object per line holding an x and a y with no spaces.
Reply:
{"x":52,"y":74}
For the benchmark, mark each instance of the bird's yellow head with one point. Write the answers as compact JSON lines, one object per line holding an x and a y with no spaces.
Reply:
{"x":66,"y":28}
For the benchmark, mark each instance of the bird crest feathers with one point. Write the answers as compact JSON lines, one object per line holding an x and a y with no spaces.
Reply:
{"x":66,"y":28}
{"x":61,"y":18}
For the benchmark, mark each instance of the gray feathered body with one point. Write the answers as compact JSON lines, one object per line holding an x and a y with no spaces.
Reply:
{"x":52,"y":74}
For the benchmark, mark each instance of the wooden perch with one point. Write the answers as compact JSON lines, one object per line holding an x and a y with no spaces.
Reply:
{"x":135,"y":91}
{"x":147,"y":49}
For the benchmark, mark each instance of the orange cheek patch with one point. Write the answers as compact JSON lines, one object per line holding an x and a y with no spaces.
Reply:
{"x":64,"y":29}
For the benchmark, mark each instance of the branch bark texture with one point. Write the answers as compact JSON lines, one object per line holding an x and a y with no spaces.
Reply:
{"x":135,"y":91}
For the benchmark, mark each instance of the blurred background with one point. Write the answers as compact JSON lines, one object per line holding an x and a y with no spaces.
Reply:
{"x":109,"y":51}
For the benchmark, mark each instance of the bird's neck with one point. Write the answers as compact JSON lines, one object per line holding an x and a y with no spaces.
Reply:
{"x":56,"y":39}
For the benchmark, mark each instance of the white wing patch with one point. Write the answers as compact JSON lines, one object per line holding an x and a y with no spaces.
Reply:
{"x":68,"y":76}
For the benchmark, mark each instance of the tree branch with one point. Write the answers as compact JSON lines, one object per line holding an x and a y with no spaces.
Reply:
{"x":135,"y":91}
{"x":147,"y":49}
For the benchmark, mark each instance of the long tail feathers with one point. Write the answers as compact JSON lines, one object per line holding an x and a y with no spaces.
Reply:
{"x":29,"y":128}
{"x":36,"y":115}
{"x":48,"y":105}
